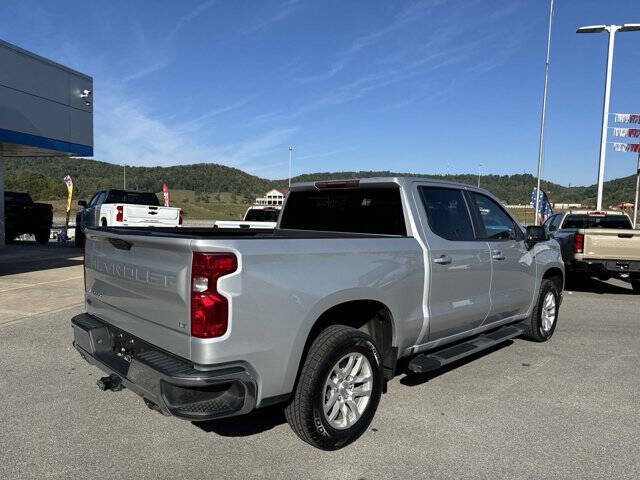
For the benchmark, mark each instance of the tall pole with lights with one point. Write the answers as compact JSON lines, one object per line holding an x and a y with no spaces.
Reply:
{"x":479,"y":167}
{"x":290,"y":151}
{"x":124,"y":177}
{"x":611,"y":29}
{"x":635,"y":205}
{"x":544,"y":111}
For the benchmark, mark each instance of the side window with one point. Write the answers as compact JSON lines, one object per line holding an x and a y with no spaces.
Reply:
{"x":447,"y":213}
{"x":550,"y":224}
{"x":94,"y":199}
{"x":556,"y":221}
{"x":497,"y":224}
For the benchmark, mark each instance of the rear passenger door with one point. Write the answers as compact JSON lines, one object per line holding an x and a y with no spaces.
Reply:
{"x":459,"y":264}
{"x":513,"y":264}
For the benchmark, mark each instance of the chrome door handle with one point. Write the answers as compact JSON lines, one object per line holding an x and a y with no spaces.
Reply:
{"x":497,"y":255}
{"x":442,"y":260}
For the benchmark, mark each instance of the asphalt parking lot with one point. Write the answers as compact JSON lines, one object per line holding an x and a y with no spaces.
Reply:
{"x":568,"y":408}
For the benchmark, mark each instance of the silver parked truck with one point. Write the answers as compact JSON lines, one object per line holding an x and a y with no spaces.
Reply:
{"x":314,"y":314}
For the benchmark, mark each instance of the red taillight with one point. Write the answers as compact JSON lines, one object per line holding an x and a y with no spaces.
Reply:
{"x":209,"y":309}
{"x":578,"y":243}
{"x":180,"y":218}
{"x":119,"y":213}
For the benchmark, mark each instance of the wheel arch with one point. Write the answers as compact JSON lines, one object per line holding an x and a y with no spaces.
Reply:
{"x":367,"y":315}
{"x":556,"y":275}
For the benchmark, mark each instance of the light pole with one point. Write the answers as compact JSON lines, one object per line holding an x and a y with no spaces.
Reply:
{"x":290,"y":150}
{"x":544,"y":111}
{"x":479,"y":167}
{"x":124,"y":177}
{"x":612,"y":29}
{"x":635,"y":205}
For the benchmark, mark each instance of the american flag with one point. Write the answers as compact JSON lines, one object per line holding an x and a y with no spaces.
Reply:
{"x":544,"y":206}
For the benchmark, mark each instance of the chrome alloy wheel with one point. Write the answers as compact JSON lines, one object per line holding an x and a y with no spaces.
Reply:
{"x":347,"y":390}
{"x":549,"y":311}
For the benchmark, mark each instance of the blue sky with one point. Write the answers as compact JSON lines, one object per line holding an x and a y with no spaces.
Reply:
{"x":429,"y":86}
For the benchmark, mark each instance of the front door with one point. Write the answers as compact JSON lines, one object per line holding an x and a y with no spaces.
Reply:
{"x":513,"y":264}
{"x":459,"y":264}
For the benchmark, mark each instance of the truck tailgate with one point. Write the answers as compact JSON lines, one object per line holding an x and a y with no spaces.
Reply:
{"x":611,"y":244}
{"x":148,"y":214}
{"x":140,"y":284}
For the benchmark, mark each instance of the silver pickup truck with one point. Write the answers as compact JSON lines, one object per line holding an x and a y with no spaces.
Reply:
{"x":314,"y":315}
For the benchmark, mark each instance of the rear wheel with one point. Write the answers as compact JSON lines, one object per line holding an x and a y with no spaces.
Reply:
{"x":79,"y":237}
{"x":635,"y":284}
{"x":338,"y":390}
{"x":42,"y":236}
{"x":542,"y":322}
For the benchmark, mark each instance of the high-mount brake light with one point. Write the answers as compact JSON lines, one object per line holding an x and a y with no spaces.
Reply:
{"x":597,"y":214}
{"x":209,"y":309}
{"x":578,"y":243}
{"x":119,"y":213}
{"x":338,"y":184}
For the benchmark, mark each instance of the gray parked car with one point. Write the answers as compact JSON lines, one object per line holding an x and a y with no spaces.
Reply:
{"x":207,"y":323}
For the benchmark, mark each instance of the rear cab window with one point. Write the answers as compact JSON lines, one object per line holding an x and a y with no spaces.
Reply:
{"x":132,"y":198}
{"x":367,"y":210}
{"x":261,"y":215}
{"x":583,"y":221}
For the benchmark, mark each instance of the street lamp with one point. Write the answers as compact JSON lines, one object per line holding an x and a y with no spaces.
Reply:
{"x":290,"y":150}
{"x":612,"y":29}
{"x":479,"y":167}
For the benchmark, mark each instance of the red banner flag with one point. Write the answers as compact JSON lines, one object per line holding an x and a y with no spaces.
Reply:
{"x":165,"y":193}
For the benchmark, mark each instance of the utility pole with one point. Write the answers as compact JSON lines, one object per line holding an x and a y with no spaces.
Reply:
{"x":611,"y":29}
{"x":479,"y":167}
{"x":544,"y":111}
{"x":635,"y":205}
{"x":124,"y":177}
{"x":290,"y":150}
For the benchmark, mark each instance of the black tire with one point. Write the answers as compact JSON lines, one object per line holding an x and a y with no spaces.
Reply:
{"x":103,"y":222}
{"x":42,"y":237}
{"x":533,"y":324}
{"x":305,"y":412}
{"x":635,"y":285}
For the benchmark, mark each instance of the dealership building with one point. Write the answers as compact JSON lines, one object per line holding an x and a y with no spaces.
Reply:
{"x":46,"y":109}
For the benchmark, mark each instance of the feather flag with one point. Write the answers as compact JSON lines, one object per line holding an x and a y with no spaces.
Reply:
{"x":544,"y":206}
{"x":165,"y":194}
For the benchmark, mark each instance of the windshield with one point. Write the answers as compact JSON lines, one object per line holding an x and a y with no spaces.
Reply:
{"x":592,"y":221}
{"x":132,"y":198}
{"x":261,"y":215}
{"x":15,"y":197}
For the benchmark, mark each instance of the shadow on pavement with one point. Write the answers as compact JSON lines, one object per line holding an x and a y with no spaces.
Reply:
{"x":252,"y":423}
{"x":23,"y":257}
{"x":593,"y":285}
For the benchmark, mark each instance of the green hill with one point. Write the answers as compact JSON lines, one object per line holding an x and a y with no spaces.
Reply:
{"x":207,"y":189}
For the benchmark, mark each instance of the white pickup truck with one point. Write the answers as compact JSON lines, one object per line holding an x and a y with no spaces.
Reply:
{"x":124,"y":208}
{"x":257,"y":216}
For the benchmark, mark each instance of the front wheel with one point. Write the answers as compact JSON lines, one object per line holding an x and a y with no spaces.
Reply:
{"x":542,"y":322}
{"x":338,"y":390}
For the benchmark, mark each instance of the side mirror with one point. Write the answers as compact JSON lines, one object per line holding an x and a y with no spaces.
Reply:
{"x":535,"y":234}
{"x":82,"y":203}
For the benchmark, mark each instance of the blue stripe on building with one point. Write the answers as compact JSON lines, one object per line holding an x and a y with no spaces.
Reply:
{"x":9,"y":136}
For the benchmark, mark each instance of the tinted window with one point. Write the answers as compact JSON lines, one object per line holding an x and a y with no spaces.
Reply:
{"x":358,"y":210}
{"x":261,"y":215}
{"x":132,"y":198}
{"x":592,"y":221}
{"x":94,"y":199}
{"x":497,"y":224}
{"x":17,"y":197}
{"x":447,"y":213}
